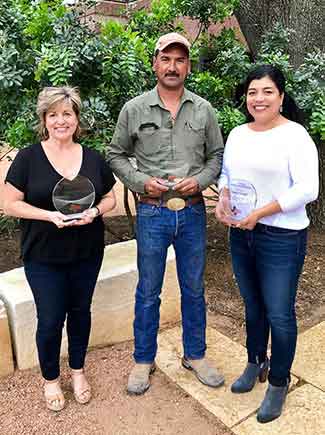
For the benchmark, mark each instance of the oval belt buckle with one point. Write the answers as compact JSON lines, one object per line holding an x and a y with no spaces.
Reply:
{"x":175,"y":204}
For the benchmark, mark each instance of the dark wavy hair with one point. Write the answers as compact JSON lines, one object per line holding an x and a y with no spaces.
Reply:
{"x":289,"y":107}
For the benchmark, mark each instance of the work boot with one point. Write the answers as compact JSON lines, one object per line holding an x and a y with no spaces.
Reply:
{"x":205,"y":373}
{"x":247,"y":380}
{"x":272,"y":404}
{"x":138,"y":382}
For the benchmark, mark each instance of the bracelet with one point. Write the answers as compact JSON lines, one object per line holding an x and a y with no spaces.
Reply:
{"x":98,"y":211}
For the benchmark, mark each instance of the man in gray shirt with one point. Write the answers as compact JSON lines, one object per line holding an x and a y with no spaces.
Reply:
{"x":178,"y":147}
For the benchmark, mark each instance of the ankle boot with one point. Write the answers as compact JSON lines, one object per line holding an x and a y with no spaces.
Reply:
{"x":272,"y":404}
{"x":247,"y":380}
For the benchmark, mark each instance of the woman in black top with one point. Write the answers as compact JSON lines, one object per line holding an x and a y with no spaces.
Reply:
{"x":61,"y":258}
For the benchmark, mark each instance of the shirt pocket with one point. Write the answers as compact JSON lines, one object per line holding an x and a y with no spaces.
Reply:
{"x":195,"y":128}
{"x":149,"y":137}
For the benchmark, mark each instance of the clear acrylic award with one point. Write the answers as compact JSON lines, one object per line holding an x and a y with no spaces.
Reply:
{"x":238,"y":199}
{"x":73,"y":197}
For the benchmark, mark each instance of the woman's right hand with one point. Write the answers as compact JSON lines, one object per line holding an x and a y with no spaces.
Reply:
{"x":221,"y":215}
{"x":223,"y":208}
{"x":57,"y":219}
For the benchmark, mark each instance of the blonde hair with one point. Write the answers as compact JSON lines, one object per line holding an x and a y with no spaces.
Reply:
{"x":49,"y":97}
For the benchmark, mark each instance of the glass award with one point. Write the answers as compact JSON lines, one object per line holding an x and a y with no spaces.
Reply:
{"x":238,"y":200}
{"x":73,"y":197}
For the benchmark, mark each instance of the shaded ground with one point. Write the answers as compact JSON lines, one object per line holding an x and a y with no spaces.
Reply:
{"x":165,"y":409}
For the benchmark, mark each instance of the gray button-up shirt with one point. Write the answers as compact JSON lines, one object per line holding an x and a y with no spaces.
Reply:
{"x":191,"y":146}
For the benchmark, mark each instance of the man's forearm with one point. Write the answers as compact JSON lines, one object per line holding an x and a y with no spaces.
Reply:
{"x":210,"y":173}
{"x":130,"y":176}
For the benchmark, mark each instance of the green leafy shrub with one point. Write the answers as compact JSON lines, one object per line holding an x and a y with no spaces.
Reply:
{"x":317,"y":119}
{"x":8,"y":225}
{"x":208,"y":86}
{"x":229,"y":118}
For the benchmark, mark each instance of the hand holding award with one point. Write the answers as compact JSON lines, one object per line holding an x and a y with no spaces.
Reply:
{"x":237,"y":200}
{"x":73,"y":197}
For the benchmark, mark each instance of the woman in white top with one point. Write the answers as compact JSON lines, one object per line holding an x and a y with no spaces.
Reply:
{"x":276,"y":156}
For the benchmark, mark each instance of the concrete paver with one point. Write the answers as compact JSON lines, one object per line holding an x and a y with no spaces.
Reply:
{"x":303,"y":414}
{"x":309,"y":363}
{"x":230,"y":358}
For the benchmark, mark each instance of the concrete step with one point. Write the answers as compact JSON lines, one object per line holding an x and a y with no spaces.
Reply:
{"x":6,"y":357}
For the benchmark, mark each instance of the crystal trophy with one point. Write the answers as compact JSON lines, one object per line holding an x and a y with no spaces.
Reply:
{"x":238,"y":200}
{"x":73,"y":197}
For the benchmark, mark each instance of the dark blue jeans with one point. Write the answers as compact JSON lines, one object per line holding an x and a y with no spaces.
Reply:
{"x":157,"y":229}
{"x":62,"y":292}
{"x":267,"y":263}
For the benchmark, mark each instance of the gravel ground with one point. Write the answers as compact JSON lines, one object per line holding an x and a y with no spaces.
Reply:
{"x":164,"y":409}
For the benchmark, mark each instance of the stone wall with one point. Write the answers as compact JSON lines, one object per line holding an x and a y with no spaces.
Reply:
{"x":112,"y":308}
{"x":6,"y":356}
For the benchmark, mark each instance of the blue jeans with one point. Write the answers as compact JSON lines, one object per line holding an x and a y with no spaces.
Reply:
{"x":157,"y":229}
{"x":267,"y":263}
{"x":62,"y":291}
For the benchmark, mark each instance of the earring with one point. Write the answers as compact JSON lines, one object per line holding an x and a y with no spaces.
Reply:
{"x":281,"y":109}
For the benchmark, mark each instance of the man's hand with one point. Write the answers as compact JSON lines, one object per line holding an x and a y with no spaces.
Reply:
{"x":188,"y":186}
{"x":155,"y":187}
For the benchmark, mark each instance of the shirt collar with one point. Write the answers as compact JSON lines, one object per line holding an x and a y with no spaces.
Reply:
{"x":154,"y":99}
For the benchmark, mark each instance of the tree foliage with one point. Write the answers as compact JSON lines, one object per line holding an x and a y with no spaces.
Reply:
{"x":45,"y":43}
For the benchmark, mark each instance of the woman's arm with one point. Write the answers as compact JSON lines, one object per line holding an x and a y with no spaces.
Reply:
{"x":15,"y":205}
{"x":251,"y":220}
{"x":105,"y":205}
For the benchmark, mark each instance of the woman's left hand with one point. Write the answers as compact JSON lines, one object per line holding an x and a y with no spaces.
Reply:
{"x":87,"y":217}
{"x":248,"y":223}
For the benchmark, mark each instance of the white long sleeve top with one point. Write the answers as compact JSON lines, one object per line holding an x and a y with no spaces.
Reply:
{"x":282,"y":165}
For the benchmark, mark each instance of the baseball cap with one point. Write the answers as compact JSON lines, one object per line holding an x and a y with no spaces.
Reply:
{"x":171,"y":38}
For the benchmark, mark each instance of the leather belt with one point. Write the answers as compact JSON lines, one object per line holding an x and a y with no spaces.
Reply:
{"x":192,"y":200}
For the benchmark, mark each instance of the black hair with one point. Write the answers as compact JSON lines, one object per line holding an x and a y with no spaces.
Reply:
{"x":289,"y":107}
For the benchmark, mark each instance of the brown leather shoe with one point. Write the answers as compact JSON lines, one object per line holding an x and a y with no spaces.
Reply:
{"x":205,"y":373}
{"x":138,"y":382}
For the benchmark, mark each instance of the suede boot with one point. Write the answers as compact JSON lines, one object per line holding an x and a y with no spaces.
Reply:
{"x":138,"y":382}
{"x":247,"y":380}
{"x":271,"y":407}
{"x":204,"y":371}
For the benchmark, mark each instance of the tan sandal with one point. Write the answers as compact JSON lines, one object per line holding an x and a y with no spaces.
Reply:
{"x":82,"y":394}
{"x":54,"y":399}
